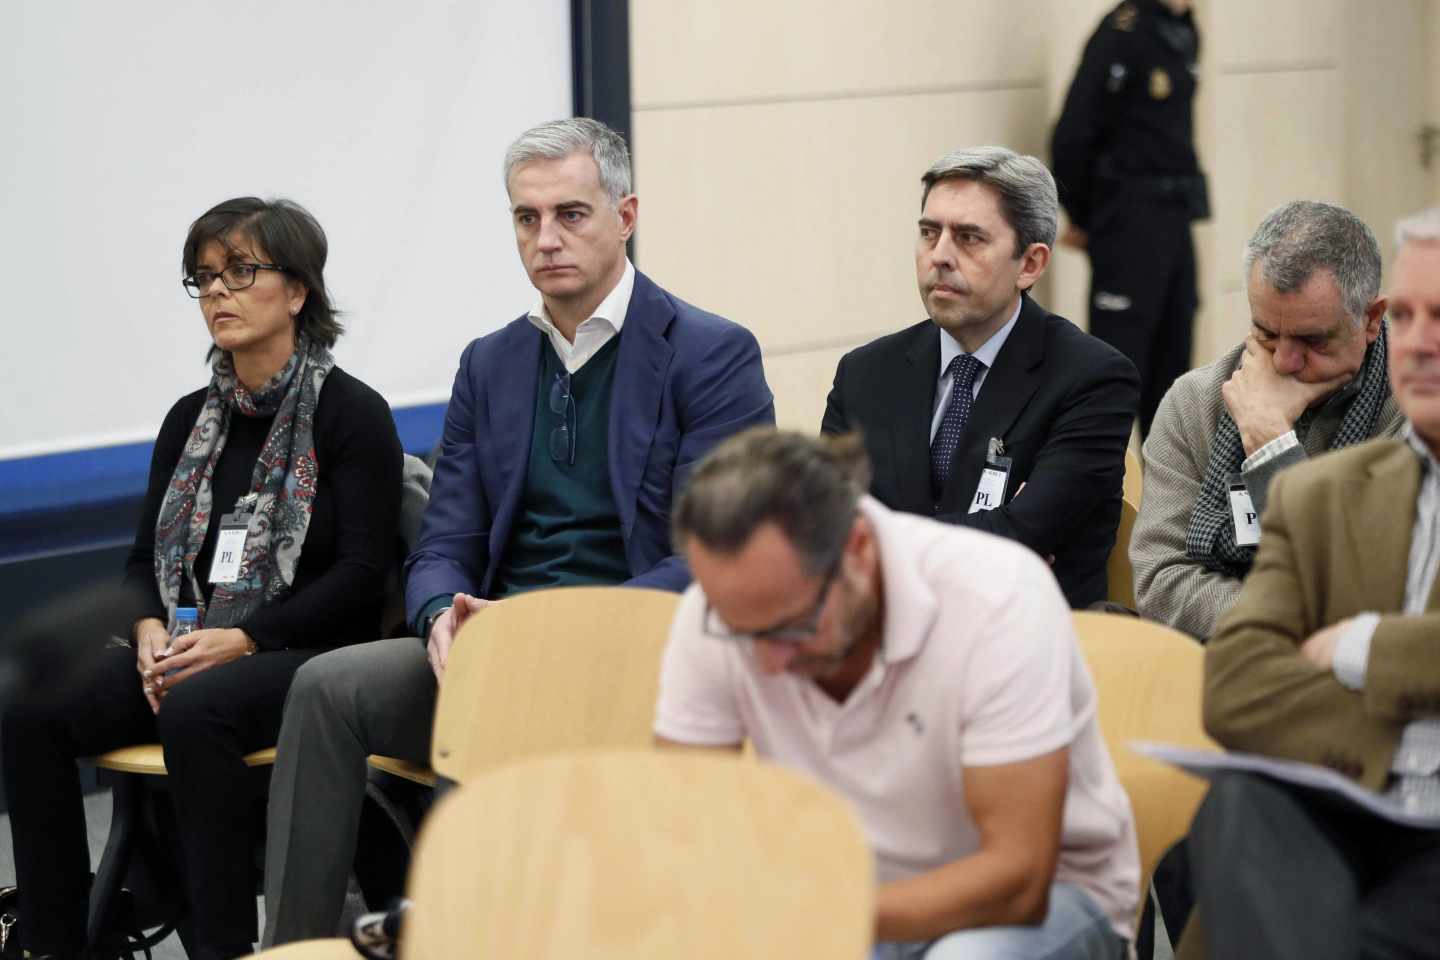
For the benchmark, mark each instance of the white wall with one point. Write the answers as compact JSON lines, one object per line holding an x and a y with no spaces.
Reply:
{"x":123,"y":122}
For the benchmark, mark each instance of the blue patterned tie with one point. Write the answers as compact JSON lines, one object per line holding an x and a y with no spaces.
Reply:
{"x":962,"y":370}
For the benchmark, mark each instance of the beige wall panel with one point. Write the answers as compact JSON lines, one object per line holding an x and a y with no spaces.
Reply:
{"x":1383,"y":71}
{"x":1432,"y":99}
{"x":1280,"y":136}
{"x":1247,"y":36}
{"x":801,"y":382}
{"x":747,"y":50}
{"x":798,"y":219}
{"x":1067,"y":285}
{"x":1209,"y":124}
{"x":1208,"y":330}
{"x":1225,"y":322}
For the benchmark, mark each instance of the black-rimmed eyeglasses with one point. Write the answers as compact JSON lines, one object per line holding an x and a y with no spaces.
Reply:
{"x":562,"y":438}
{"x":792,"y":634}
{"x":237,"y":276}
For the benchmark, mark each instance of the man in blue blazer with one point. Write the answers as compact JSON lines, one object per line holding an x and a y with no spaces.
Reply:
{"x":569,"y":432}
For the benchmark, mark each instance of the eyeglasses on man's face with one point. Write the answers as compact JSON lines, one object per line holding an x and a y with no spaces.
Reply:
{"x":798,"y":632}
{"x":237,"y":276}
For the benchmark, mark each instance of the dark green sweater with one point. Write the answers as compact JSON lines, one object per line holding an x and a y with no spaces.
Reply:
{"x":567,"y":531}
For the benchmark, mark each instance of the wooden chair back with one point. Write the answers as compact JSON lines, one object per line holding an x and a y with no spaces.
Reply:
{"x":1134,"y":482}
{"x":1119,"y":575}
{"x":641,"y":856}
{"x":553,"y":670}
{"x":1150,"y":680}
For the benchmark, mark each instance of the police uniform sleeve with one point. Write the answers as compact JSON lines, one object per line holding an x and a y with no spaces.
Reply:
{"x":1078,"y":139}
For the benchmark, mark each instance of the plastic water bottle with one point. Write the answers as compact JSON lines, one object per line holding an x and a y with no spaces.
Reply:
{"x":187,"y":620}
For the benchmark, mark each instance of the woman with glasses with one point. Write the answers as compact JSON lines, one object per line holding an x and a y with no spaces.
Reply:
{"x":271,"y":509}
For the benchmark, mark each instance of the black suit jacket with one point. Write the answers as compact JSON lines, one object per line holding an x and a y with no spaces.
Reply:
{"x":1063,"y":403}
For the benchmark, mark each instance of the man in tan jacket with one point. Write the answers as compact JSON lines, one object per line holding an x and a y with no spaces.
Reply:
{"x":1331,"y":656}
{"x":1310,"y":377}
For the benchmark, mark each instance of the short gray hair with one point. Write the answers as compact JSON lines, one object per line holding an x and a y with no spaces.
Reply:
{"x":808,"y":486}
{"x":1299,"y":238}
{"x":1027,"y":190}
{"x":558,"y":139}
{"x":1423,"y":227}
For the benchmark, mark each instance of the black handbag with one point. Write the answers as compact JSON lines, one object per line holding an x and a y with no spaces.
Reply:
{"x":9,"y":916}
{"x":122,"y":941}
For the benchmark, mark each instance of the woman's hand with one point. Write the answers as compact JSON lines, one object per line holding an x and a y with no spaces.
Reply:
{"x":194,"y":652}
{"x":151,"y":638}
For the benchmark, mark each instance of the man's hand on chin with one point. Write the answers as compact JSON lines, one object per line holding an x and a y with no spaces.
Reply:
{"x":1265,"y":404}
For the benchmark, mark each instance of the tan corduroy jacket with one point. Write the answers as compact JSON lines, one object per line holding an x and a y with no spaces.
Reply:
{"x":1335,"y":542}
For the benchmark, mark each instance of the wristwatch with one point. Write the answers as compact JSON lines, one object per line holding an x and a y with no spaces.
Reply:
{"x":430,"y":622}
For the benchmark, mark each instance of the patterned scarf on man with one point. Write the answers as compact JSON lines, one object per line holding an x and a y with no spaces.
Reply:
{"x":1211,"y":536}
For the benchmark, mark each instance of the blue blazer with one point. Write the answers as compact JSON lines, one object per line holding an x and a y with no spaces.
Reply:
{"x":684,"y":380}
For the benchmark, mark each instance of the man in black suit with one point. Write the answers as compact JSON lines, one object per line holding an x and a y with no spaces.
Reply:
{"x":995,"y":413}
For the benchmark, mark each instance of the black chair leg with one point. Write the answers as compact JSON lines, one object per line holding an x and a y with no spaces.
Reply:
{"x":154,"y":874}
{"x":126,"y":796}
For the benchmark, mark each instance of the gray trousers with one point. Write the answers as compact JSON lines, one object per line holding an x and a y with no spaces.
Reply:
{"x":1292,"y":874}
{"x":343,"y":706}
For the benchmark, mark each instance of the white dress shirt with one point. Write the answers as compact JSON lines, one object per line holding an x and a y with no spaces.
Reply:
{"x":950,"y":349}
{"x":593,"y":332}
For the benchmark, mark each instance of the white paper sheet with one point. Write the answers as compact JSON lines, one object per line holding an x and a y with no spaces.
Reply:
{"x":1208,"y":763}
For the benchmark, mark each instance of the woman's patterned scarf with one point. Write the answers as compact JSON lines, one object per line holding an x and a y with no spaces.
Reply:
{"x":283,"y":483}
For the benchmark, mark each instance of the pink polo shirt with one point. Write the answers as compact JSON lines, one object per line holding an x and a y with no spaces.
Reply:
{"x":980,"y":666}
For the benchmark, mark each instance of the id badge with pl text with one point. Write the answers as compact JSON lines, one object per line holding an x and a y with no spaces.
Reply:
{"x":994,"y":480}
{"x":229,"y":548}
{"x":1242,"y":510}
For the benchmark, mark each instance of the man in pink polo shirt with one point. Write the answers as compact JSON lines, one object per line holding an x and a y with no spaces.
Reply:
{"x":929,"y":673}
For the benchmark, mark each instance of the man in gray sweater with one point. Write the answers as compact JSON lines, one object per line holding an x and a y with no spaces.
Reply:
{"x":1310,"y":377}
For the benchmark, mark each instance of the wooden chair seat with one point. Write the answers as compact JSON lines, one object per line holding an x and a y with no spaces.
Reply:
{"x":413,"y":772}
{"x":335,"y":948}
{"x":149,"y":759}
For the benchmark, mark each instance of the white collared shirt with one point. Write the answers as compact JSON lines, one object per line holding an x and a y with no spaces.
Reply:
{"x":593,"y":332}
{"x":950,"y":349}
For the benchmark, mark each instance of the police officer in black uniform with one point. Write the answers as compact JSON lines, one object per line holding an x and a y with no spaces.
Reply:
{"x":1124,"y":160}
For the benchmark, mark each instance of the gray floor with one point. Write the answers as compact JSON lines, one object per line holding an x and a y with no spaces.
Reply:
{"x":97,"y":816}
